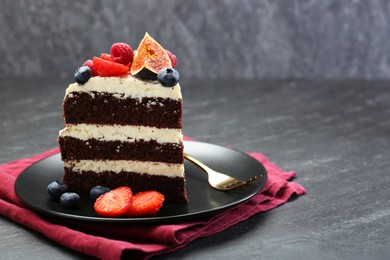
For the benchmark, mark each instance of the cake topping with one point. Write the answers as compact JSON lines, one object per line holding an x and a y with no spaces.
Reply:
{"x":172,"y":57}
{"x":82,"y":74}
{"x":106,"y":56}
{"x":121,"y":53}
{"x":105,"y":68}
{"x":89,"y":64}
{"x":168,"y":77}
{"x":144,"y":63}
{"x":150,"y":56}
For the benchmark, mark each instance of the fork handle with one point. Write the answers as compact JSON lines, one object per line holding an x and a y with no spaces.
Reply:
{"x":201,"y":165}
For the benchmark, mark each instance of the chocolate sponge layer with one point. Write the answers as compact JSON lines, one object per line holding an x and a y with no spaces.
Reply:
{"x":93,"y":149}
{"x":172,"y":188}
{"x":105,"y":108}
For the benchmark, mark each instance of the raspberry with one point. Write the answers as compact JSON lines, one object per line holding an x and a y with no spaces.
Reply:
{"x":121,"y":53}
{"x":172,"y":57}
{"x":106,"y":68}
{"x":89,"y":64}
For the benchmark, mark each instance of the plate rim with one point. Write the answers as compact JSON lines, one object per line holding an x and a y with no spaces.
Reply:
{"x":146,"y":220}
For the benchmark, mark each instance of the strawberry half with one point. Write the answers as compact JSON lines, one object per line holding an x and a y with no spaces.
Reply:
{"x":89,"y":64}
{"x":146,"y":203}
{"x":115,"y":203}
{"x":106,"y":56}
{"x":105,"y":68}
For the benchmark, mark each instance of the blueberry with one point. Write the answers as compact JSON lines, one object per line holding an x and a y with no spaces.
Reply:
{"x":56,"y":189}
{"x":97,"y":191}
{"x":82,"y":74}
{"x":168,"y":77}
{"x":69,"y":200}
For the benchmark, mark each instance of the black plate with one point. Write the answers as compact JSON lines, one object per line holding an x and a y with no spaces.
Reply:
{"x":203,"y":200}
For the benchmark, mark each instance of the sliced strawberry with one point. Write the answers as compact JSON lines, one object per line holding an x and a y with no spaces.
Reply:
{"x":105,"y":68}
{"x":106,"y":56}
{"x":146,"y":203}
{"x":115,"y":203}
{"x":89,"y":64}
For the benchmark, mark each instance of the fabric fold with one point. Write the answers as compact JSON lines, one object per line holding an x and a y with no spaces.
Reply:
{"x":111,"y":241}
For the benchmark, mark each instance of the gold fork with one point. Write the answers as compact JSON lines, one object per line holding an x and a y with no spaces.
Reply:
{"x":218,"y":180}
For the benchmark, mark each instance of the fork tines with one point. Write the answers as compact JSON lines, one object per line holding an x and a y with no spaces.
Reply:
{"x":236,"y":184}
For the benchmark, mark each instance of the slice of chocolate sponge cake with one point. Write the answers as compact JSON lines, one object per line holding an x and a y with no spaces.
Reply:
{"x":122,"y":130}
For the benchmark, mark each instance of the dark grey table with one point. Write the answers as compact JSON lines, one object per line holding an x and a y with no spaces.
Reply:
{"x":335,"y":134}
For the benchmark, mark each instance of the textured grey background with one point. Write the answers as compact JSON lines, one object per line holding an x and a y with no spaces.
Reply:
{"x":212,"y":39}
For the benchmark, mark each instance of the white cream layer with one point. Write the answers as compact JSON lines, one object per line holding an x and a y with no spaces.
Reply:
{"x":126,"y":133}
{"x":153,"y":168}
{"x":126,"y":87}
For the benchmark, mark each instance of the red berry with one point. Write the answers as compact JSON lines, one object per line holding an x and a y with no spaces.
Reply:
{"x":115,"y":203}
{"x":89,"y":64}
{"x":106,"y":56}
{"x":172,"y":57}
{"x":105,"y":68}
{"x":146,"y":203}
{"x":121,"y":53}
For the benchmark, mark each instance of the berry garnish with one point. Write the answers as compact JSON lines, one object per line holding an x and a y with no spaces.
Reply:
{"x":82,"y":75}
{"x":97,"y":191}
{"x":89,"y":64}
{"x":168,"y":77}
{"x":121,"y":53}
{"x":106,"y":56}
{"x":69,"y":200}
{"x":106,"y":68}
{"x":56,"y":189}
{"x":115,"y":203}
{"x":172,"y":57}
{"x":146,"y":203}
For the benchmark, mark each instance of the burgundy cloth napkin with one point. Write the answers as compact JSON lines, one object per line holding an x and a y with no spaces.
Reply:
{"x":110,"y":241}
